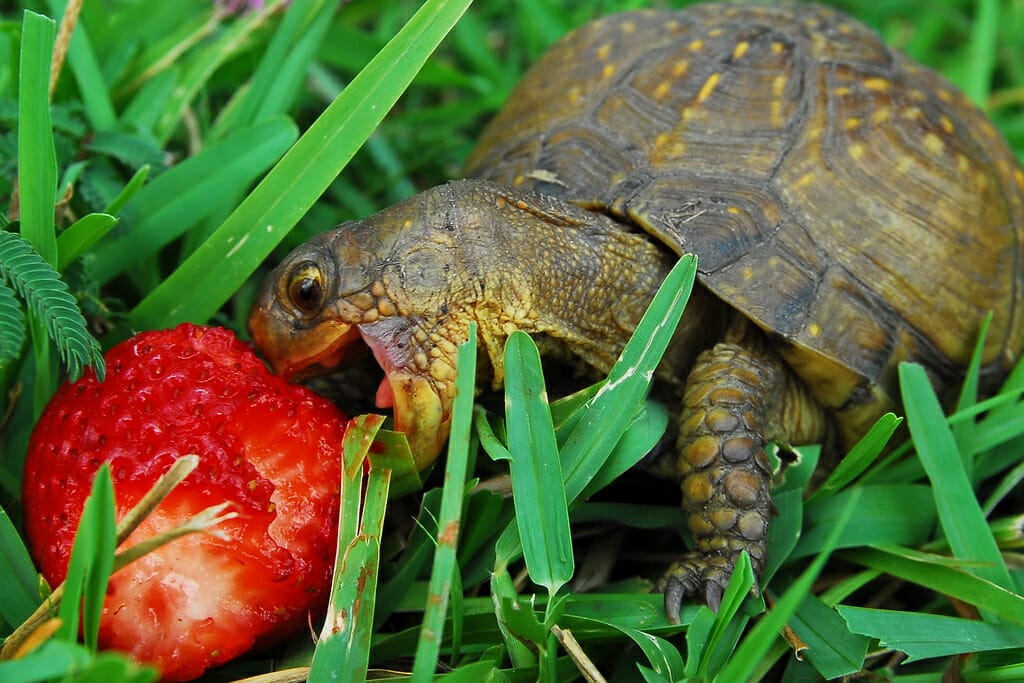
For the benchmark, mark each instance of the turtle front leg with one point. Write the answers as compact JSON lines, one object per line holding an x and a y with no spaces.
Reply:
{"x":739,"y":395}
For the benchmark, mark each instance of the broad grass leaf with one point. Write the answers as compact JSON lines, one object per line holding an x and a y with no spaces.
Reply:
{"x":959,"y":511}
{"x":924,"y":636}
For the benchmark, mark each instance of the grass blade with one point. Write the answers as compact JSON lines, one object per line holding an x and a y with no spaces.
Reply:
{"x":81,"y":235}
{"x":542,"y":513}
{"x":178,"y":200}
{"x":92,"y":560}
{"x":37,"y":159}
{"x":831,"y":648}
{"x":207,"y":279}
{"x":944,"y":576}
{"x":959,"y":512}
{"x":282,"y":67}
{"x":343,"y":649}
{"x":618,"y":399}
{"x":923,"y":636}
{"x":18,"y":579}
{"x":445,"y":568}
{"x":759,"y":641}
{"x":92,"y":87}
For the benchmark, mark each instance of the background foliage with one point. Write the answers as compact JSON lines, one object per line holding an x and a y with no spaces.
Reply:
{"x":173,"y":141}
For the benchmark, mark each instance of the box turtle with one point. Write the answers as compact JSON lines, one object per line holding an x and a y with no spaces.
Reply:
{"x":850,"y":210}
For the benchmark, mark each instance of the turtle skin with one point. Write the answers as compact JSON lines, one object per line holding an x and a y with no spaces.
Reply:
{"x":850,"y":210}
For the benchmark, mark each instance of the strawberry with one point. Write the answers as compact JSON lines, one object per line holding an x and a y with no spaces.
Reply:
{"x":270,"y":448}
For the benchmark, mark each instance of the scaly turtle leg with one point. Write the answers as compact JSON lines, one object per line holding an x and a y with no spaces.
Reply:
{"x":739,"y":396}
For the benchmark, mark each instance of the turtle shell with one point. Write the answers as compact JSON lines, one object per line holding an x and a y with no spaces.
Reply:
{"x":852,"y":203}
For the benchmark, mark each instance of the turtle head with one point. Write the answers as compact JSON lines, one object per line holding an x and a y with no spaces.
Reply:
{"x":393,"y":283}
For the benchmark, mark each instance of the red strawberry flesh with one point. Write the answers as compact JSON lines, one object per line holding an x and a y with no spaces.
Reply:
{"x":270,"y":448}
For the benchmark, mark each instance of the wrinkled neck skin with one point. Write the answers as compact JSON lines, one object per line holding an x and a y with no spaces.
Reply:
{"x":576,"y":279}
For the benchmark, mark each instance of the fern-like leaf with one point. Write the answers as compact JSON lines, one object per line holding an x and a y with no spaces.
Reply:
{"x":12,"y":326}
{"x":49,"y":299}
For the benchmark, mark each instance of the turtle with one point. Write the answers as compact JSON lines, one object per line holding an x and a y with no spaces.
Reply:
{"x":849,"y":208}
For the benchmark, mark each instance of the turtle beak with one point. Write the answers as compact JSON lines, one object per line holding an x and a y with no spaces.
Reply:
{"x":296,"y":354}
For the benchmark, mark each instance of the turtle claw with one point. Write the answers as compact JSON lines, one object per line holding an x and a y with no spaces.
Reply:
{"x":692,"y":575}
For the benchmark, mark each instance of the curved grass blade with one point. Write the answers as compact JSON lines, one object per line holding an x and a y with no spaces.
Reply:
{"x":207,"y":279}
{"x":860,"y":457}
{"x":81,"y":235}
{"x":49,"y":300}
{"x":946,"y":576}
{"x":960,"y":514}
{"x":444,"y":573}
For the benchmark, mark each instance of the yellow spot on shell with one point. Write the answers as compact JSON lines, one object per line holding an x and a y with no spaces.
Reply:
{"x":881,"y":115}
{"x":628,"y":27}
{"x":714,"y":33}
{"x":814,"y":329}
{"x":876,"y":84}
{"x":934,"y":144}
{"x":407,"y":224}
{"x":519,"y":179}
{"x":696,"y":45}
{"x":740,"y":49}
{"x":604,"y":51}
{"x":856,"y":151}
{"x":1019,"y":177}
{"x":777,"y":47}
{"x":851,"y":123}
{"x":841,"y":91}
{"x":680,"y":67}
{"x":748,"y":273}
{"x":734,"y":210}
{"x":911,"y":113}
{"x":608,"y":70}
{"x":660,"y":140}
{"x":662,"y":90}
{"x":779,"y":85}
{"x":574,"y":94}
{"x":947,"y":125}
{"x":708,"y":87}
{"x":944,"y":95}
{"x":672,"y":25}
{"x":963,"y":164}
{"x":805,"y":180}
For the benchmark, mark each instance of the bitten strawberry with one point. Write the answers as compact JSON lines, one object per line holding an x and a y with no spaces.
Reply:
{"x":270,"y":448}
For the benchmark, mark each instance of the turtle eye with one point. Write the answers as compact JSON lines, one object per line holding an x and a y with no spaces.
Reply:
{"x":306,"y":287}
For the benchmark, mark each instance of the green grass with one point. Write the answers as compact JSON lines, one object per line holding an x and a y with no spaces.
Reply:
{"x":199,"y":144}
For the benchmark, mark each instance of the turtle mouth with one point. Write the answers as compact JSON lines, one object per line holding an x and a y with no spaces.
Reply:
{"x":417,"y":407}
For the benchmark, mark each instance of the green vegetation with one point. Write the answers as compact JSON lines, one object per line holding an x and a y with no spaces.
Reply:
{"x":184,"y":145}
